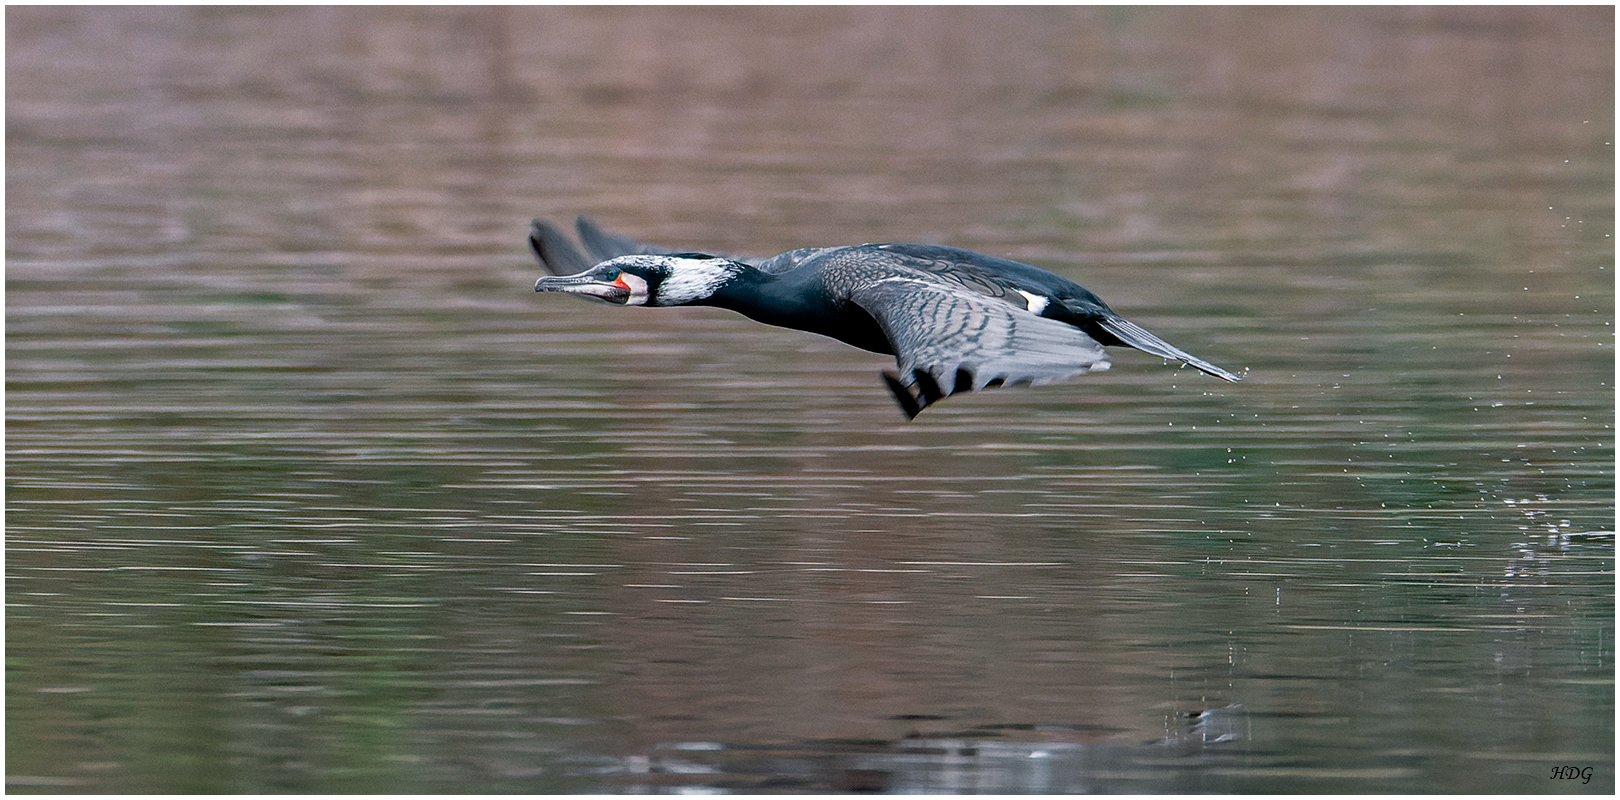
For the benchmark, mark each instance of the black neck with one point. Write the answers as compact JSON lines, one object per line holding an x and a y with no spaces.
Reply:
{"x":799,"y":299}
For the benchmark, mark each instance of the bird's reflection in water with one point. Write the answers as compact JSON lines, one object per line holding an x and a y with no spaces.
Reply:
{"x":988,"y":758}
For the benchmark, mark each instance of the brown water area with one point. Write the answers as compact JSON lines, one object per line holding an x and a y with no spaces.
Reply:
{"x":308,"y":491}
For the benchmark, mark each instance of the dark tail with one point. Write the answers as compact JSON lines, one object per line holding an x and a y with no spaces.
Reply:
{"x":1138,"y":337}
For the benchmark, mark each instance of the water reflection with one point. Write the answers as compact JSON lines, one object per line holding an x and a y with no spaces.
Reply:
{"x":995,"y":759}
{"x":307,"y":492}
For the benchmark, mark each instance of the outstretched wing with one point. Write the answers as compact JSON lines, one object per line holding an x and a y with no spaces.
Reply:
{"x":950,"y":339}
{"x":560,"y":257}
{"x":980,"y":272}
{"x":556,"y":253}
{"x":776,"y":265}
{"x":602,"y":245}
{"x":1056,"y":297}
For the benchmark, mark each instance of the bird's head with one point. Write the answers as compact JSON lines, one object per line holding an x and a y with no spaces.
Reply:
{"x":649,"y":280}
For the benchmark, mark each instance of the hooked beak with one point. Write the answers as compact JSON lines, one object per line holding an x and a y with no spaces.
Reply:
{"x":583,"y":283}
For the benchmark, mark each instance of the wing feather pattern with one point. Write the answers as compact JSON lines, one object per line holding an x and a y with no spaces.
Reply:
{"x":950,"y":339}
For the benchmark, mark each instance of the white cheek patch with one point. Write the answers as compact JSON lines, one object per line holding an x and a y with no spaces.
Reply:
{"x":1034,"y":302}
{"x":693,"y":279}
{"x":637,"y":287}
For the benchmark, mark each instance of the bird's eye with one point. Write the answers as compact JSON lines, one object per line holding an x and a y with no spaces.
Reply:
{"x":610,"y":274}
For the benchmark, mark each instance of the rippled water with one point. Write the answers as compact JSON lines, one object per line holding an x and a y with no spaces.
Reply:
{"x":307,"y":491}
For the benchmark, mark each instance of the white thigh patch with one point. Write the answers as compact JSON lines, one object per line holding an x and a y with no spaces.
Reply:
{"x":1034,"y":302}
